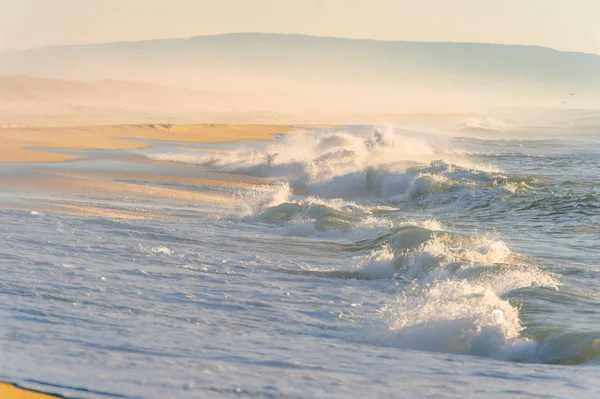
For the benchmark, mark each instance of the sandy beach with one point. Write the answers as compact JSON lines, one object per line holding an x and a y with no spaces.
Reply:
{"x":8,"y":391}
{"x":47,"y":190}
{"x":17,"y":143}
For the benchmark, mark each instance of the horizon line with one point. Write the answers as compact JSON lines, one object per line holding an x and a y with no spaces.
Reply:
{"x":7,"y":51}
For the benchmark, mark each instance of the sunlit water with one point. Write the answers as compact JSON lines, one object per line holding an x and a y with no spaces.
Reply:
{"x":376,"y":263}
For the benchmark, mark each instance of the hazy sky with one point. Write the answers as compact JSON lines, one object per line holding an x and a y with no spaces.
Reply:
{"x":561,"y":24}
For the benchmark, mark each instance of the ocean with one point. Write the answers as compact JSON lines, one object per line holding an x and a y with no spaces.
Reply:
{"x":358,"y":261}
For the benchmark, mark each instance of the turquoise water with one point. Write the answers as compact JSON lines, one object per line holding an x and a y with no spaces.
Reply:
{"x":378,"y":262}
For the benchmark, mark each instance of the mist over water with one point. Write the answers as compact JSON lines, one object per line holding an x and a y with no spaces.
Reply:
{"x":259,"y":75}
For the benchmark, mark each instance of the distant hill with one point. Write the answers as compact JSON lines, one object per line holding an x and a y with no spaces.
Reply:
{"x":297,"y":71}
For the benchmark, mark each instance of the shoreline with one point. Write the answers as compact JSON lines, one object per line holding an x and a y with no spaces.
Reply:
{"x":35,"y":144}
{"x":66,"y":190}
{"x":18,"y":142}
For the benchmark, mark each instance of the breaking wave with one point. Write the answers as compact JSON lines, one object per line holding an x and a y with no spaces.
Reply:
{"x":339,"y":164}
{"x":455,"y":295}
{"x":456,"y":292}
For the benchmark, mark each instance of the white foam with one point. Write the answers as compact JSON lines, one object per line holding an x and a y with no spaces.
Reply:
{"x":336,"y":163}
{"x":161,"y":250}
{"x":454,"y":298}
{"x":379,"y":264}
{"x":258,"y":199}
{"x":314,"y":158}
{"x":450,"y":316}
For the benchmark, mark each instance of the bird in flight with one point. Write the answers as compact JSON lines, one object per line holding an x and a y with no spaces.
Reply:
{"x":572,"y":94}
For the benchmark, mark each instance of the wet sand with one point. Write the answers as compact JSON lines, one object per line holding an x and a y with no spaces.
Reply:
{"x":25,"y":144}
{"x":78,"y":190}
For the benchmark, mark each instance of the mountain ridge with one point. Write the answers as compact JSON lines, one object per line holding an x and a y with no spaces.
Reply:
{"x":249,"y":33}
{"x":291,"y":72}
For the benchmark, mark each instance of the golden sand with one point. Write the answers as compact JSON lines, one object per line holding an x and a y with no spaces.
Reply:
{"x":8,"y":391}
{"x":17,"y":143}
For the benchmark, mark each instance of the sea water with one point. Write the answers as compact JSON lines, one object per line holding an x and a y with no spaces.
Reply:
{"x":373,"y":262}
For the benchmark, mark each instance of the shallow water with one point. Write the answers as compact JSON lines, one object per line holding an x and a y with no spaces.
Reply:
{"x":376,"y":262}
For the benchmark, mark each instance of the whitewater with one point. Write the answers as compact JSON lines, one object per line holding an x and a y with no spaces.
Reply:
{"x":370,"y":261}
